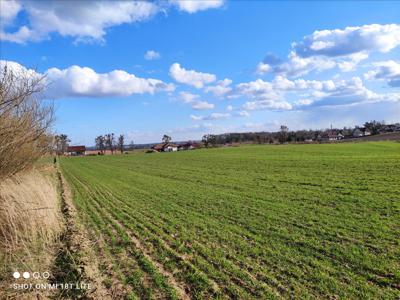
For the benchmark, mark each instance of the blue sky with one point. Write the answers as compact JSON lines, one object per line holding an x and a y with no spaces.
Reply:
{"x":211,"y":66}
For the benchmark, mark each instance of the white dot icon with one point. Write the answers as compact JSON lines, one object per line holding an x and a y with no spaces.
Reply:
{"x":26,"y":275}
{"x":16,"y":275}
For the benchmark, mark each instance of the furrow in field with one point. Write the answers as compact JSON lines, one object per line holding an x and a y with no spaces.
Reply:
{"x":127,"y":269}
{"x":147,"y":233}
{"x":116,"y":207}
{"x":329,"y":236}
{"x":122,"y":239}
{"x":333,"y":238}
{"x":181,"y":290}
{"x":105,"y":238}
{"x":261,"y":277}
{"x":233,"y":279}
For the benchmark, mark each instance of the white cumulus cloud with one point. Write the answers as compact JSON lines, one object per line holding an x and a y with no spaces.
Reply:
{"x":83,"y":81}
{"x":188,"y":97}
{"x":386,"y":70}
{"x":220,"y":89}
{"x":243,"y":113}
{"x":76,"y":81}
{"x":350,"y":40}
{"x":202,"y":105}
{"x":8,"y":11}
{"x":263,"y":68}
{"x":213,"y":116}
{"x":152,"y":55}
{"x":327,"y":49}
{"x":196,"y":104}
{"x":190,"y":77}
{"x":267,"y":104}
{"x":81,"y":20}
{"x":284,"y":94}
{"x":192,"y":6}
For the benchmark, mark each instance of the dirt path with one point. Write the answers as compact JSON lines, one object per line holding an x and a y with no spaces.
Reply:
{"x":76,"y":261}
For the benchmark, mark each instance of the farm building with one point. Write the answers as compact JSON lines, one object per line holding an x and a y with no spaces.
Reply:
{"x":165,"y":147}
{"x":357,"y":133}
{"x":331,"y":136}
{"x":367,"y":132}
{"x":76,"y":150}
{"x":188,"y":146}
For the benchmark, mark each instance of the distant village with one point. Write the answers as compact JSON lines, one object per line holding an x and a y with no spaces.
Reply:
{"x":109,"y":144}
{"x":284,"y":135}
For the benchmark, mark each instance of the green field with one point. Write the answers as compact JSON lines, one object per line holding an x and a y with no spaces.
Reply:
{"x":250,"y":222}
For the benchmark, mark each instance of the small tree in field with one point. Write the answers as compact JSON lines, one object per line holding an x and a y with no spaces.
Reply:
{"x":110,"y":141}
{"x":209,"y":139}
{"x":283,"y":134}
{"x":120,"y":143}
{"x":61,"y":143}
{"x":100,"y":143}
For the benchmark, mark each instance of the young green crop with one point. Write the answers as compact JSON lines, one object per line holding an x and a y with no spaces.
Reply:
{"x":249,"y":222}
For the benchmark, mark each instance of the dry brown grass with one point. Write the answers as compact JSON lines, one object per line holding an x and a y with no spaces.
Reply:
{"x":30,"y":222}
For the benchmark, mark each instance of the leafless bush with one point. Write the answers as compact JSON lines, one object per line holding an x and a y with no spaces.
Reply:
{"x":24,"y":119}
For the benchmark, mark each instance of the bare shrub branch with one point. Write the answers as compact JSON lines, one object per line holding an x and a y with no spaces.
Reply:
{"x":24,"y":120}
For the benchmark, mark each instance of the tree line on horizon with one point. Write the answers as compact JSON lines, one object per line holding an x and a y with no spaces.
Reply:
{"x":284,"y":135}
{"x":109,"y":142}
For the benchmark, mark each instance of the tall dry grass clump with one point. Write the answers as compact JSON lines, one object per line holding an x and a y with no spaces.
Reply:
{"x":29,"y":210}
{"x":30,"y":223}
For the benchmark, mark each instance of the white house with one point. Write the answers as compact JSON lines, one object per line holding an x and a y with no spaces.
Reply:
{"x":171,"y":148}
{"x":367,"y":132}
{"x":165,"y":147}
{"x":357,"y":132}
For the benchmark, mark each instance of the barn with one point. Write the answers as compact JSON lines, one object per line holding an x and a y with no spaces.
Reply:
{"x":188,"y":146}
{"x":76,"y":150}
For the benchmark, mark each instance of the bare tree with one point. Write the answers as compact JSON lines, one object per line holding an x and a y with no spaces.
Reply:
{"x":100,"y":143}
{"x":24,"y":119}
{"x":61,"y":143}
{"x":110,"y":141}
{"x":283,"y":134}
{"x":166,"y":138}
{"x":120,"y":143}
